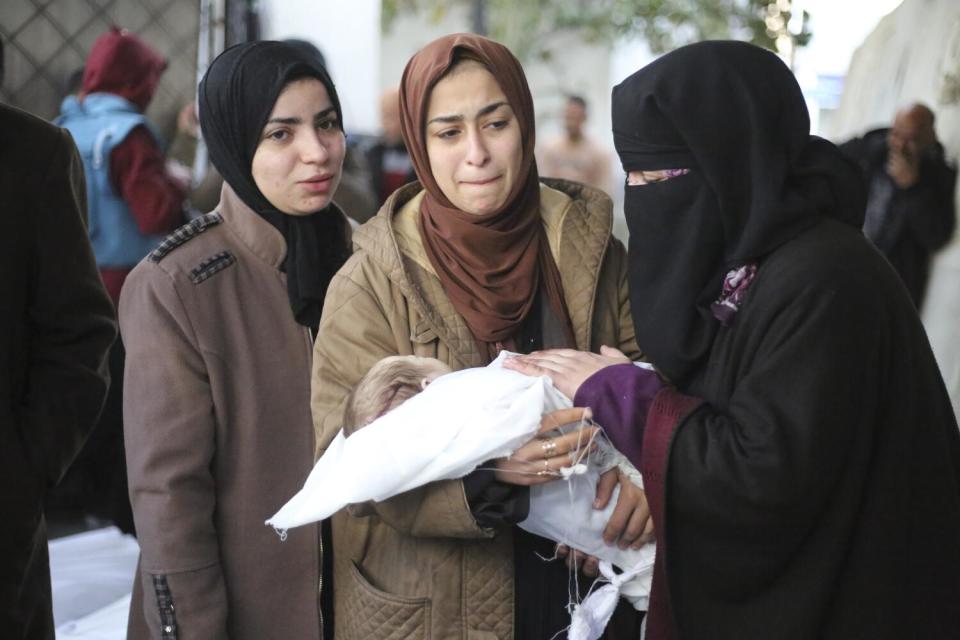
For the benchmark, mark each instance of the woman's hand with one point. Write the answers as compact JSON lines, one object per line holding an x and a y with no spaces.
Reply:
{"x":567,"y":368}
{"x":630,"y":525}
{"x":540,"y":460}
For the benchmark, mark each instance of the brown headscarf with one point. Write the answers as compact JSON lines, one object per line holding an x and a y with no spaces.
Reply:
{"x":491,"y":266}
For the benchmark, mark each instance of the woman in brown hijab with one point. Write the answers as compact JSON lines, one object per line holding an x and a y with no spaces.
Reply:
{"x":480,"y":255}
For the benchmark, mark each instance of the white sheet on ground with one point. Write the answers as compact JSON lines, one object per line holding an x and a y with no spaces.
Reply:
{"x":91,"y":573}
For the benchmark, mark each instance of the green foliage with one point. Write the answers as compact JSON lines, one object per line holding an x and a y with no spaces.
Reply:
{"x":529,"y":26}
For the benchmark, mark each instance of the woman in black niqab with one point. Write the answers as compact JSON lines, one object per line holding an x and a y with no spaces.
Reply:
{"x":756,"y":178}
{"x":236,"y":96}
{"x":784,"y":467}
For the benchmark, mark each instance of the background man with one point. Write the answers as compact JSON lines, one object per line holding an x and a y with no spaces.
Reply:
{"x":573,"y":155}
{"x":910,"y":201}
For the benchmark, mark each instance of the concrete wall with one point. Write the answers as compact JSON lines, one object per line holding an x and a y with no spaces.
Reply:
{"x":914,"y":54}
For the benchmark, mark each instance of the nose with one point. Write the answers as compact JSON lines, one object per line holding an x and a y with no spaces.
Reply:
{"x":477,"y":153}
{"x":312,"y":148}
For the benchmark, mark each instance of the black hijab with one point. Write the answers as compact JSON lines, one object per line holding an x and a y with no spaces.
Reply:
{"x":733,"y":114}
{"x":236,"y":96}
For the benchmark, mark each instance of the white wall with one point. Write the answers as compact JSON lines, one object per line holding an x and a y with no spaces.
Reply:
{"x":914,"y":54}
{"x":348,"y":33}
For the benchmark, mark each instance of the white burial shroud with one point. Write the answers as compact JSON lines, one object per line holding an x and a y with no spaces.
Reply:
{"x":460,"y":421}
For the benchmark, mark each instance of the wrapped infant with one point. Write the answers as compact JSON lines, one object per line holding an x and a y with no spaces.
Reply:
{"x":561,"y":511}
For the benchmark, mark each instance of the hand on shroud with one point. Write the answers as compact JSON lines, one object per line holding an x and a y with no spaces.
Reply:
{"x":567,"y":368}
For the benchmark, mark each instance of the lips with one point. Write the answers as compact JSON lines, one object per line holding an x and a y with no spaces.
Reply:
{"x":480,"y":183}
{"x":318,"y":182}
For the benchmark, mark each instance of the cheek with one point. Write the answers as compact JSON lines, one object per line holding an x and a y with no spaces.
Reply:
{"x":269,"y":168}
{"x":442,"y":164}
{"x":260,"y":169}
{"x":512,"y":151}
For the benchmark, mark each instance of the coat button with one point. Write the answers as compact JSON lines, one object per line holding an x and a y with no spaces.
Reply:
{"x":168,"y":629}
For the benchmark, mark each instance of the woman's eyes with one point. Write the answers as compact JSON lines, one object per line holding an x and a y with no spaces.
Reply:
{"x":496,"y":125}
{"x":283,"y":135}
{"x":446,"y":134}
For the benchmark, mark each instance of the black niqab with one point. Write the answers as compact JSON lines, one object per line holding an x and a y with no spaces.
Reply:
{"x":236,"y":97}
{"x":732,"y":114}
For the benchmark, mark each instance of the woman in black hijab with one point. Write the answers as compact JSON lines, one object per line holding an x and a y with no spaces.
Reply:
{"x":803,"y":463}
{"x":219,"y":324}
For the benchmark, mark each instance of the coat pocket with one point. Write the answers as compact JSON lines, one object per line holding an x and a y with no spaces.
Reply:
{"x":365,"y":612}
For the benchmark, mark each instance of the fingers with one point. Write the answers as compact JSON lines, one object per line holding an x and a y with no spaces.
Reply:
{"x":610,"y":352}
{"x":591,"y":566}
{"x":618,"y":519}
{"x":648,"y":535}
{"x":530,"y":466}
{"x":556,"y":419}
{"x":580,"y":561}
{"x":635,"y":527}
{"x":608,"y":481}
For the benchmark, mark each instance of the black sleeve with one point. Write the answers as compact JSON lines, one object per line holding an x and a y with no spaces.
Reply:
{"x":71,"y":322}
{"x":927,"y":207}
{"x":494,"y":503}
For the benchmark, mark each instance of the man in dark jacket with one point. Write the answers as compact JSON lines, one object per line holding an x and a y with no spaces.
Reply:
{"x":55,"y":330}
{"x":910,"y":211}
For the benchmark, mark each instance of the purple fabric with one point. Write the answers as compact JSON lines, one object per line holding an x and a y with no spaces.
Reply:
{"x":735,"y":286}
{"x":620,"y":396}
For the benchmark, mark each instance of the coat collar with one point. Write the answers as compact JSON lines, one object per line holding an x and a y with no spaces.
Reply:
{"x":261,"y":237}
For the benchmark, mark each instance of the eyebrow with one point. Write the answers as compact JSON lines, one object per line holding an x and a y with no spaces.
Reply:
{"x":490,"y":108}
{"x":295,"y":120}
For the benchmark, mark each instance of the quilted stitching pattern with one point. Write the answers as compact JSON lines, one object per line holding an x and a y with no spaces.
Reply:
{"x":367,"y":613}
{"x":489,"y":593}
{"x":487,"y":580}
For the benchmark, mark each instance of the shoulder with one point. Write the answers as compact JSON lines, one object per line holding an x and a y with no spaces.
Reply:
{"x":835,"y":265}
{"x":183,"y":235}
{"x":195,"y":252}
{"x":576,"y":210}
{"x":23,"y":133}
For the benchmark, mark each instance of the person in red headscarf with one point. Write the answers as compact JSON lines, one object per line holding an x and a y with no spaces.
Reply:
{"x":481,"y":255}
{"x":133,"y":202}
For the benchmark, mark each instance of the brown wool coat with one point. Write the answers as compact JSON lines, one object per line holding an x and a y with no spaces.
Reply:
{"x":218,"y":436}
{"x":421,"y":567}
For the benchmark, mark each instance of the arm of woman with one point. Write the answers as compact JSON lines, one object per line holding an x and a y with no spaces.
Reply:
{"x":169,"y":428}
{"x":355,"y":332}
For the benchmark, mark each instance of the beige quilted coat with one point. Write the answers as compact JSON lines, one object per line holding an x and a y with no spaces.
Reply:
{"x":420,"y":567}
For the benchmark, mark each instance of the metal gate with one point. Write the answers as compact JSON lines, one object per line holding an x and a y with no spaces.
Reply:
{"x":45,"y":41}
